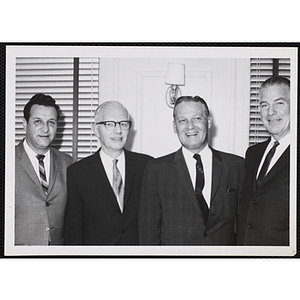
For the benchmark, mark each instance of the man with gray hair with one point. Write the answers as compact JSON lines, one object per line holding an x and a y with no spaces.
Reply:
{"x":104,"y":188}
{"x":264,"y":210}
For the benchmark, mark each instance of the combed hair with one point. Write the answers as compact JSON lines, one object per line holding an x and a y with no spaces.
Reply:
{"x":275,"y":80}
{"x":40,"y":99}
{"x":191,"y":99}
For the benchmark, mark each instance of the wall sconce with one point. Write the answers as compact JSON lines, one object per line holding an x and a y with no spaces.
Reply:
{"x":175,"y":77}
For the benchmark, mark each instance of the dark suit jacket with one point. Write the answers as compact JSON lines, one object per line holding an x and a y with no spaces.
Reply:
{"x":39,"y":218}
{"x":93,"y":216}
{"x":264,"y":213}
{"x":169,"y":212}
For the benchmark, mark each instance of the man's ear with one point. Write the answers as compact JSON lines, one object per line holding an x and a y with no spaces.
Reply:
{"x":95,"y":132}
{"x":209,"y":122}
{"x":174,"y":127}
{"x":24,"y":124}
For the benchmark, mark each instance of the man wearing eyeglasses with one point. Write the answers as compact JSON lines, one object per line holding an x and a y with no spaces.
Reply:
{"x":104,"y":188}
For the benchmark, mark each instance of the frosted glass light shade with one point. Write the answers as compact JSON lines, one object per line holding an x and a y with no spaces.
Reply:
{"x":175,"y":74}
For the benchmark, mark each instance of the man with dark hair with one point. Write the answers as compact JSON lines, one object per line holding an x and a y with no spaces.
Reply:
{"x":264,"y":210}
{"x":104,"y":188}
{"x":40,"y":99}
{"x":190,"y":197}
{"x":40,"y":178}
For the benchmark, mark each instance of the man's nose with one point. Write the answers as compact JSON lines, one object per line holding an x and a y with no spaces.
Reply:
{"x":46,"y":127}
{"x":118,"y":128}
{"x":190,"y":124}
{"x":271,"y":111}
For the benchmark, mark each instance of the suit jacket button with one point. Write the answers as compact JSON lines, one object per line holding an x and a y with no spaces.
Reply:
{"x":47,"y":203}
{"x":123,"y":231}
{"x":205,"y":234}
{"x":249,"y":226}
{"x":47,"y":228}
{"x":253,"y":201}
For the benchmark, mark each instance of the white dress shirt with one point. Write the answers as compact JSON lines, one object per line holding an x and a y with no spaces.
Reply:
{"x":206,"y":158}
{"x":107,"y":162}
{"x":35,"y":163}
{"x":283,"y":144}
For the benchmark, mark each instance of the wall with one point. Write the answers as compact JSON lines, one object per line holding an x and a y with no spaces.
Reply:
{"x":139,"y":84}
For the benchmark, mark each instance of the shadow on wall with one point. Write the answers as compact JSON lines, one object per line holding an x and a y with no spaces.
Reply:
{"x":212,"y":132}
{"x":131,"y":136}
{"x":57,"y":143}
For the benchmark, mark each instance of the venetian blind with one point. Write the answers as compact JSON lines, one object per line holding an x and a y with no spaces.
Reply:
{"x":261,"y":69}
{"x":54,"y":76}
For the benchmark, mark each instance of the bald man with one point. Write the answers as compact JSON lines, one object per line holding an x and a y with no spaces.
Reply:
{"x":104,"y":188}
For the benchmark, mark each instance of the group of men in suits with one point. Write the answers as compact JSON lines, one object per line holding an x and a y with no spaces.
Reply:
{"x":194,"y":196}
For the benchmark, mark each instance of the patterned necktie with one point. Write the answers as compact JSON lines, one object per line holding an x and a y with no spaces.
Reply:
{"x":266,"y":164}
{"x":118,"y":186}
{"x":199,"y":187}
{"x":43,"y":179}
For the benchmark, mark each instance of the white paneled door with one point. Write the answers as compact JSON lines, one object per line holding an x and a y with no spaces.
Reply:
{"x":139,"y":84}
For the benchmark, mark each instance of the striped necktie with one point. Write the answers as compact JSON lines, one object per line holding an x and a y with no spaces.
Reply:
{"x":43,"y":179}
{"x":118,"y":186}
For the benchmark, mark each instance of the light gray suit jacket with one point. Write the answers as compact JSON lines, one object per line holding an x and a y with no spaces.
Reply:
{"x":39,"y":218}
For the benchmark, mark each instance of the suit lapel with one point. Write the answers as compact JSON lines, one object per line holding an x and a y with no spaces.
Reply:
{"x":182,"y":170}
{"x":256,"y":162}
{"x":217,"y":167}
{"x":54,"y":166}
{"x":101,"y":179}
{"x":26,"y":164}
{"x":281,"y":162}
{"x":130,"y":172}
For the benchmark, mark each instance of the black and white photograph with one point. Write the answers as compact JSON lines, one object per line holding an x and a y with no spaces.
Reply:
{"x":150,"y":151}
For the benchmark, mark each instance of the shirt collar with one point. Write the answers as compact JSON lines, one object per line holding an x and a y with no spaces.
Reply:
{"x":107,"y":158}
{"x":284,"y":142}
{"x":189,"y":155}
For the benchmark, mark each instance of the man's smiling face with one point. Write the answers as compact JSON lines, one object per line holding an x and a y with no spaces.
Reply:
{"x":191,"y":125}
{"x":275,"y":109}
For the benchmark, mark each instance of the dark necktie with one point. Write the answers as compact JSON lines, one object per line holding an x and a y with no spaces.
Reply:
{"x":266,"y":164}
{"x":43,"y":179}
{"x":199,"y":187}
{"x":118,"y":184}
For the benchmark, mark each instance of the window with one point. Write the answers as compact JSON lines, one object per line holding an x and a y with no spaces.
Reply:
{"x":55,"y":76}
{"x":261,"y":69}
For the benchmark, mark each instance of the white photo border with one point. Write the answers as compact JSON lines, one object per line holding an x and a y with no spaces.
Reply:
{"x":14,"y":51}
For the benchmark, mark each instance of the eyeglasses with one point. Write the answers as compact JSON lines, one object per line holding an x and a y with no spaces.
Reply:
{"x":110,"y":125}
